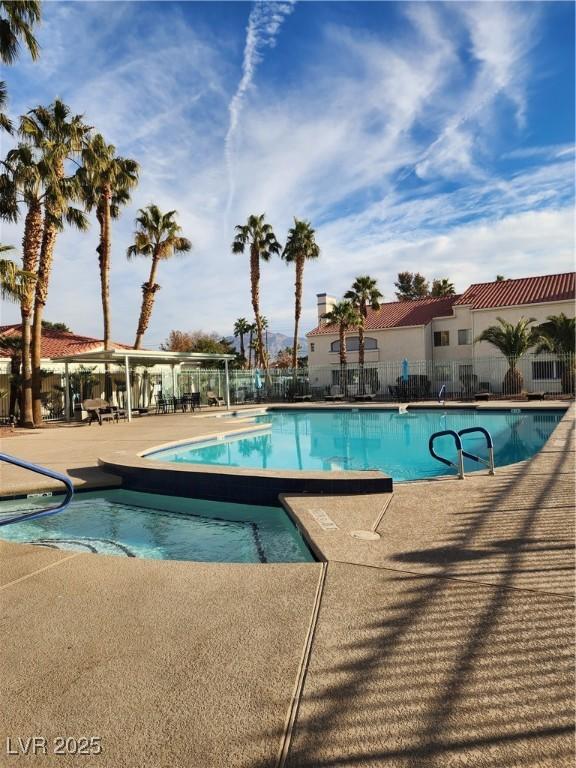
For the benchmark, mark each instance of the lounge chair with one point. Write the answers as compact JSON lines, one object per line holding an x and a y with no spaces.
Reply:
{"x":335,"y":394}
{"x":366,"y":397}
{"x":99,"y":410}
{"x":214,"y":399}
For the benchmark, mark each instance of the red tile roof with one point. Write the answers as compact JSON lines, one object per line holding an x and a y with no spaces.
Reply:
{"x":526,"y":290}
{"x":397,"y":314}
{"x":59,"y":343}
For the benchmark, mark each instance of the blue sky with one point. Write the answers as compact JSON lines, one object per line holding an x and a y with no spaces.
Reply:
{"x":436,"y":137}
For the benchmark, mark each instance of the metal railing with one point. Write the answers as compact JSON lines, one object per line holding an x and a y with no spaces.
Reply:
{"x":36,"y":513}
{"x":461,"y":453}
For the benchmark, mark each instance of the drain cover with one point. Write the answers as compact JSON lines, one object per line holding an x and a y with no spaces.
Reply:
{"x":366,"y":535}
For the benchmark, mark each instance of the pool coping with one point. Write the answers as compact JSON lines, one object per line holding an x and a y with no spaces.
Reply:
{"x":250,"y":485}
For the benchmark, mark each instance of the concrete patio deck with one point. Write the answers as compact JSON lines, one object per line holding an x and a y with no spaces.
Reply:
{"x":448,"y":642}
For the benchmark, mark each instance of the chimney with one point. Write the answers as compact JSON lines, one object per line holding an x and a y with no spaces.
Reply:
{"x":325,"y":304}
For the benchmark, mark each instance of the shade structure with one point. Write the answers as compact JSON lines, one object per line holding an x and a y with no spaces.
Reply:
{"x":130,"y":358}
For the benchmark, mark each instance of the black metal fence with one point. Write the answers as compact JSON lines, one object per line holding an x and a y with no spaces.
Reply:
{"x":387,"y":381}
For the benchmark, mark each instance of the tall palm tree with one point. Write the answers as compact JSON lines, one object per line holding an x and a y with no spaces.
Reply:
{"x":241,"y":328}
{"x":345,"y":316}
{"x":513,"y":341}
{"x":300,"y":247}
{"x":158,"y":237}
{"x":17,"y":20}
{"x":260,"y":238}
{"x":58,"y":137}
{"x":22,"y":183}
{"x":557,"y":335}
{"x":363,"y":295}
{"x":105,"y":180}
{"x":442,"y":287}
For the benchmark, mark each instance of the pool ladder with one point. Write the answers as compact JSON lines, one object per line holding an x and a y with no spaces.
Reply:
{"x":35,"y":513}
{"x":459,"y":464}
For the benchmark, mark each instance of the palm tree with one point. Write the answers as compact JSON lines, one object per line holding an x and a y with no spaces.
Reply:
{"x":344,"y":315}
{"x":300,"y":247}
{"x":158,"y":237}
{"x":364,"y":294}
{"x":241,"y":328}
{"x":263,"y":243}
{"x":557,"y":335}
{"x":16,"y":22}
{"x":442,"y":287}
{"x":22,"y":183}
{"x":106,"y":181}
{"x":58,"y":137}
{"x":513,"y":341}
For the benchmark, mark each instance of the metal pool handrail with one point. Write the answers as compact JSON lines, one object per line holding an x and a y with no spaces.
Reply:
{"x":490,"y":462}
{"x":47,"y":473}
{"x":457,"y":440}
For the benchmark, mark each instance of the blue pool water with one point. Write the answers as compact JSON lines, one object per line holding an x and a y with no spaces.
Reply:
{"x":361,"y":439}
{"x":133,"y":524}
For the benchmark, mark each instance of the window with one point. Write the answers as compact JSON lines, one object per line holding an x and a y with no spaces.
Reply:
{"x":464,"y":336}
{"x":353,"y":344}
{"x":547,"y":370}
{"x":311,"y":347}
{"x":441,"y":338}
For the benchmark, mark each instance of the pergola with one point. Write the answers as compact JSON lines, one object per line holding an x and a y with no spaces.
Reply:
{"x":134,"y":357}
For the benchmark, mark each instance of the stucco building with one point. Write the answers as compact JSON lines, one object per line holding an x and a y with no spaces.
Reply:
{"x":437,"y":336}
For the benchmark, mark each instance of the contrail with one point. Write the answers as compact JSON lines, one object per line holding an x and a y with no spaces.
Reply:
{"x":264,"y":23}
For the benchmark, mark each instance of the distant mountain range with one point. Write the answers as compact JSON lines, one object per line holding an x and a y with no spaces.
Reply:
{"x":276,"y":343}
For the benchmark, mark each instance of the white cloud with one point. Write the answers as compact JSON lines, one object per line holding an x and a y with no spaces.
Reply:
{"x":339,"y":145}
{"x":264,"y":24}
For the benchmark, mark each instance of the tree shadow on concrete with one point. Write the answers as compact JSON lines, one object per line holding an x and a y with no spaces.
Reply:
{"x":431,"y":671}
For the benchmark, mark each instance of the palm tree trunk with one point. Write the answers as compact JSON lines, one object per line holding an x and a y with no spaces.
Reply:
{"x":242,"y":348}
{"x":250,"y":350}
{"x":255,"y":290}
{"x":361,"y":350}
{"x":40,"y":297}
{"x":31,"y":243}
{"x":297,"y":311}
{"x":103,"y":216}
{"x":148,"y":291}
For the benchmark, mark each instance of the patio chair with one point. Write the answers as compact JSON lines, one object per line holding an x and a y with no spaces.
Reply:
{"x":191,"y":400}
{"x":214,"y":399}
{"x":335,"y":393}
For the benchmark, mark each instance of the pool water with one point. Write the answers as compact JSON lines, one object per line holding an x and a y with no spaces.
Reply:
{"x":361,"y":439}
{"x":133,"y":524}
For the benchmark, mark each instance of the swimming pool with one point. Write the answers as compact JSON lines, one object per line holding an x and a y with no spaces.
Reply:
{"x":361,"y":439}
{"x":134,"y":524}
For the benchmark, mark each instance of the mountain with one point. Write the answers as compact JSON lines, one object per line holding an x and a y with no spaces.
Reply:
{"x":276,"y":343}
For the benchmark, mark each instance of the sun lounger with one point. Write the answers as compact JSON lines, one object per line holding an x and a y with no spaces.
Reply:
{"x":335,"y":394}
{"x":366,"y":397}
{"x":214,"y":399}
